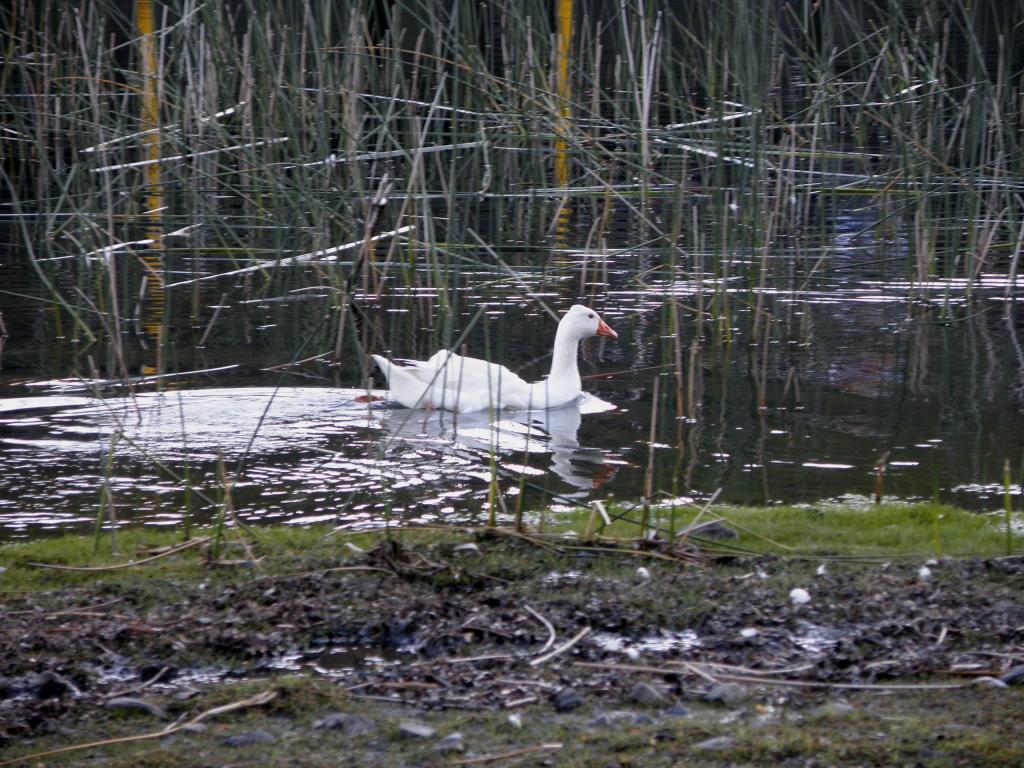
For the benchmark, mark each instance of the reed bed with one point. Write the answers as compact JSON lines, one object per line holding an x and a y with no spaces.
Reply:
{"x":331,"y":160}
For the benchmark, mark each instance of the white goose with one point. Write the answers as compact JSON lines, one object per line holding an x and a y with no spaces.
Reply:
{"x":455,"y":383}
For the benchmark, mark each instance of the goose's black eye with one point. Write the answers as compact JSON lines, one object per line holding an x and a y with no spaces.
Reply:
{"x":590,"y":316}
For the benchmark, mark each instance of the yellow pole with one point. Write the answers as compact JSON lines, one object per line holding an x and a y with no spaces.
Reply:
{"x":564,"y":42}
{"x":562,"y":88}
{"x":150,"y":106}
{"x":153,"y":323}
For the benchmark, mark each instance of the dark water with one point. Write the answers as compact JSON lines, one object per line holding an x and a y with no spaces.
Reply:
{"x":858,"y":365}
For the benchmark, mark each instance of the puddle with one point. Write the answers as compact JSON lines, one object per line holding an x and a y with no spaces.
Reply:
{"x":340,"y":662}
{"x":562,"y":577}
{"x":816,"y":639}
{"x":663,"y":641}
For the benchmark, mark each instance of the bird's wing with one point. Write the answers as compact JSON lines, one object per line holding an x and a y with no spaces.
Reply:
{"x":475,"y":372}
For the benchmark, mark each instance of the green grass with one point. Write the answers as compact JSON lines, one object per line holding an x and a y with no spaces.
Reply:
{"x":887,"y":530}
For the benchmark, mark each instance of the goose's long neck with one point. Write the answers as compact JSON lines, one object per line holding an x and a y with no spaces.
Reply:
{"x":564,"y":366}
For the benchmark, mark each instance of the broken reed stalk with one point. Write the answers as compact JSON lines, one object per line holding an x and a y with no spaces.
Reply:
{"x":120,"y":566}
{"x":544,"y":658}
{"x":645,"y":515}
{"x":691,"y":667}
{"x":596,"y":509}
{"x":502,"y":757}
{"x":1008,"y":507}
{"x":880,"y":467}
{"x":224,"y":509}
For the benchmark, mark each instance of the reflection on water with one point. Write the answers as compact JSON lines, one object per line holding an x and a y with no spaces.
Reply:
{"x":511,"y":434}
{"x":300,"y":454}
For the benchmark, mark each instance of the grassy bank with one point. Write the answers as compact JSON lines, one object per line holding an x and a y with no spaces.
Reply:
{"x":893,"y":531}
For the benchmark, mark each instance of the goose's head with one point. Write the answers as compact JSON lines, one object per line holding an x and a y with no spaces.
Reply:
{"x":581,"y":322}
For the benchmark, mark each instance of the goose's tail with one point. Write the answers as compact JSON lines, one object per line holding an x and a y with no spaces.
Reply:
{"x":384,"y":364}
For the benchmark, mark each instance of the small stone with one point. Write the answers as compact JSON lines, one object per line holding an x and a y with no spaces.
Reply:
{"x":729,"y":694}
{"x":515,"y":720}
{"x":353,"y":725}
{"x":333,"y":720}
{"x":416,"y":729}
{"x":990,"y":682}
{"x":127,"y":702}
{"x":249,"y":738}
{"x":643,"y":718}
{"x":832,"y":709}
{"x":717,"y":743}
{"x":644,"y":693}
{"x":453,"y":742}
{"x":718,"y":530}
{"x":567,"y":699}
{"x":50,"y":685}
{"x":677,"y":710}
{"x":1014,"y":675}
{"x":186,"y":693}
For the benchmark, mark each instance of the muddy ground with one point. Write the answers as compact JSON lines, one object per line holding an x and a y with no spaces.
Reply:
{"x":452,"y":651}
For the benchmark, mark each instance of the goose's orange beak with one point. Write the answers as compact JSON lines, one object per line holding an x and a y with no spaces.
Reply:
{"x":603,"y":329}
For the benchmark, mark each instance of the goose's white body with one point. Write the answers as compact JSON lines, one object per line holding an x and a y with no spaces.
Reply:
{"x":455,"y":383}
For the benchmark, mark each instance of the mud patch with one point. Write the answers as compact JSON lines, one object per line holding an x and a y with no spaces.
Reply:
{"x":426,"y":627}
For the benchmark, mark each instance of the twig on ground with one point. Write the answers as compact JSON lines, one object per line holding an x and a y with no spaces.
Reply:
{"x":507,"y":755}
{"x":141,"y":687}
{"x":119,"y":566}
{"x":760,"y":680}
{"x":253,"y":701}
{"x":562,"y":648}
{"x":547,"y":625}
{"x":466,"y":659}
{"x":89,"y":609}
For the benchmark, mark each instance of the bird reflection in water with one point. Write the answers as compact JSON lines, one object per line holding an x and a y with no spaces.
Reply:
{"x":509,"y":434}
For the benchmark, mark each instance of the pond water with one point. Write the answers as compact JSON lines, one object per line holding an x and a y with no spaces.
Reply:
{"x":858,"y":367}
{"x":806,"y":230}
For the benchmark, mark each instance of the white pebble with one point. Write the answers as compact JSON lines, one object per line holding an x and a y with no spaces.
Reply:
{"x":748,"y":632}
{"x":643,"y":573}
{"x":799,"y":596}
{"x":924,"y":573}
{"x":821,"y":570}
